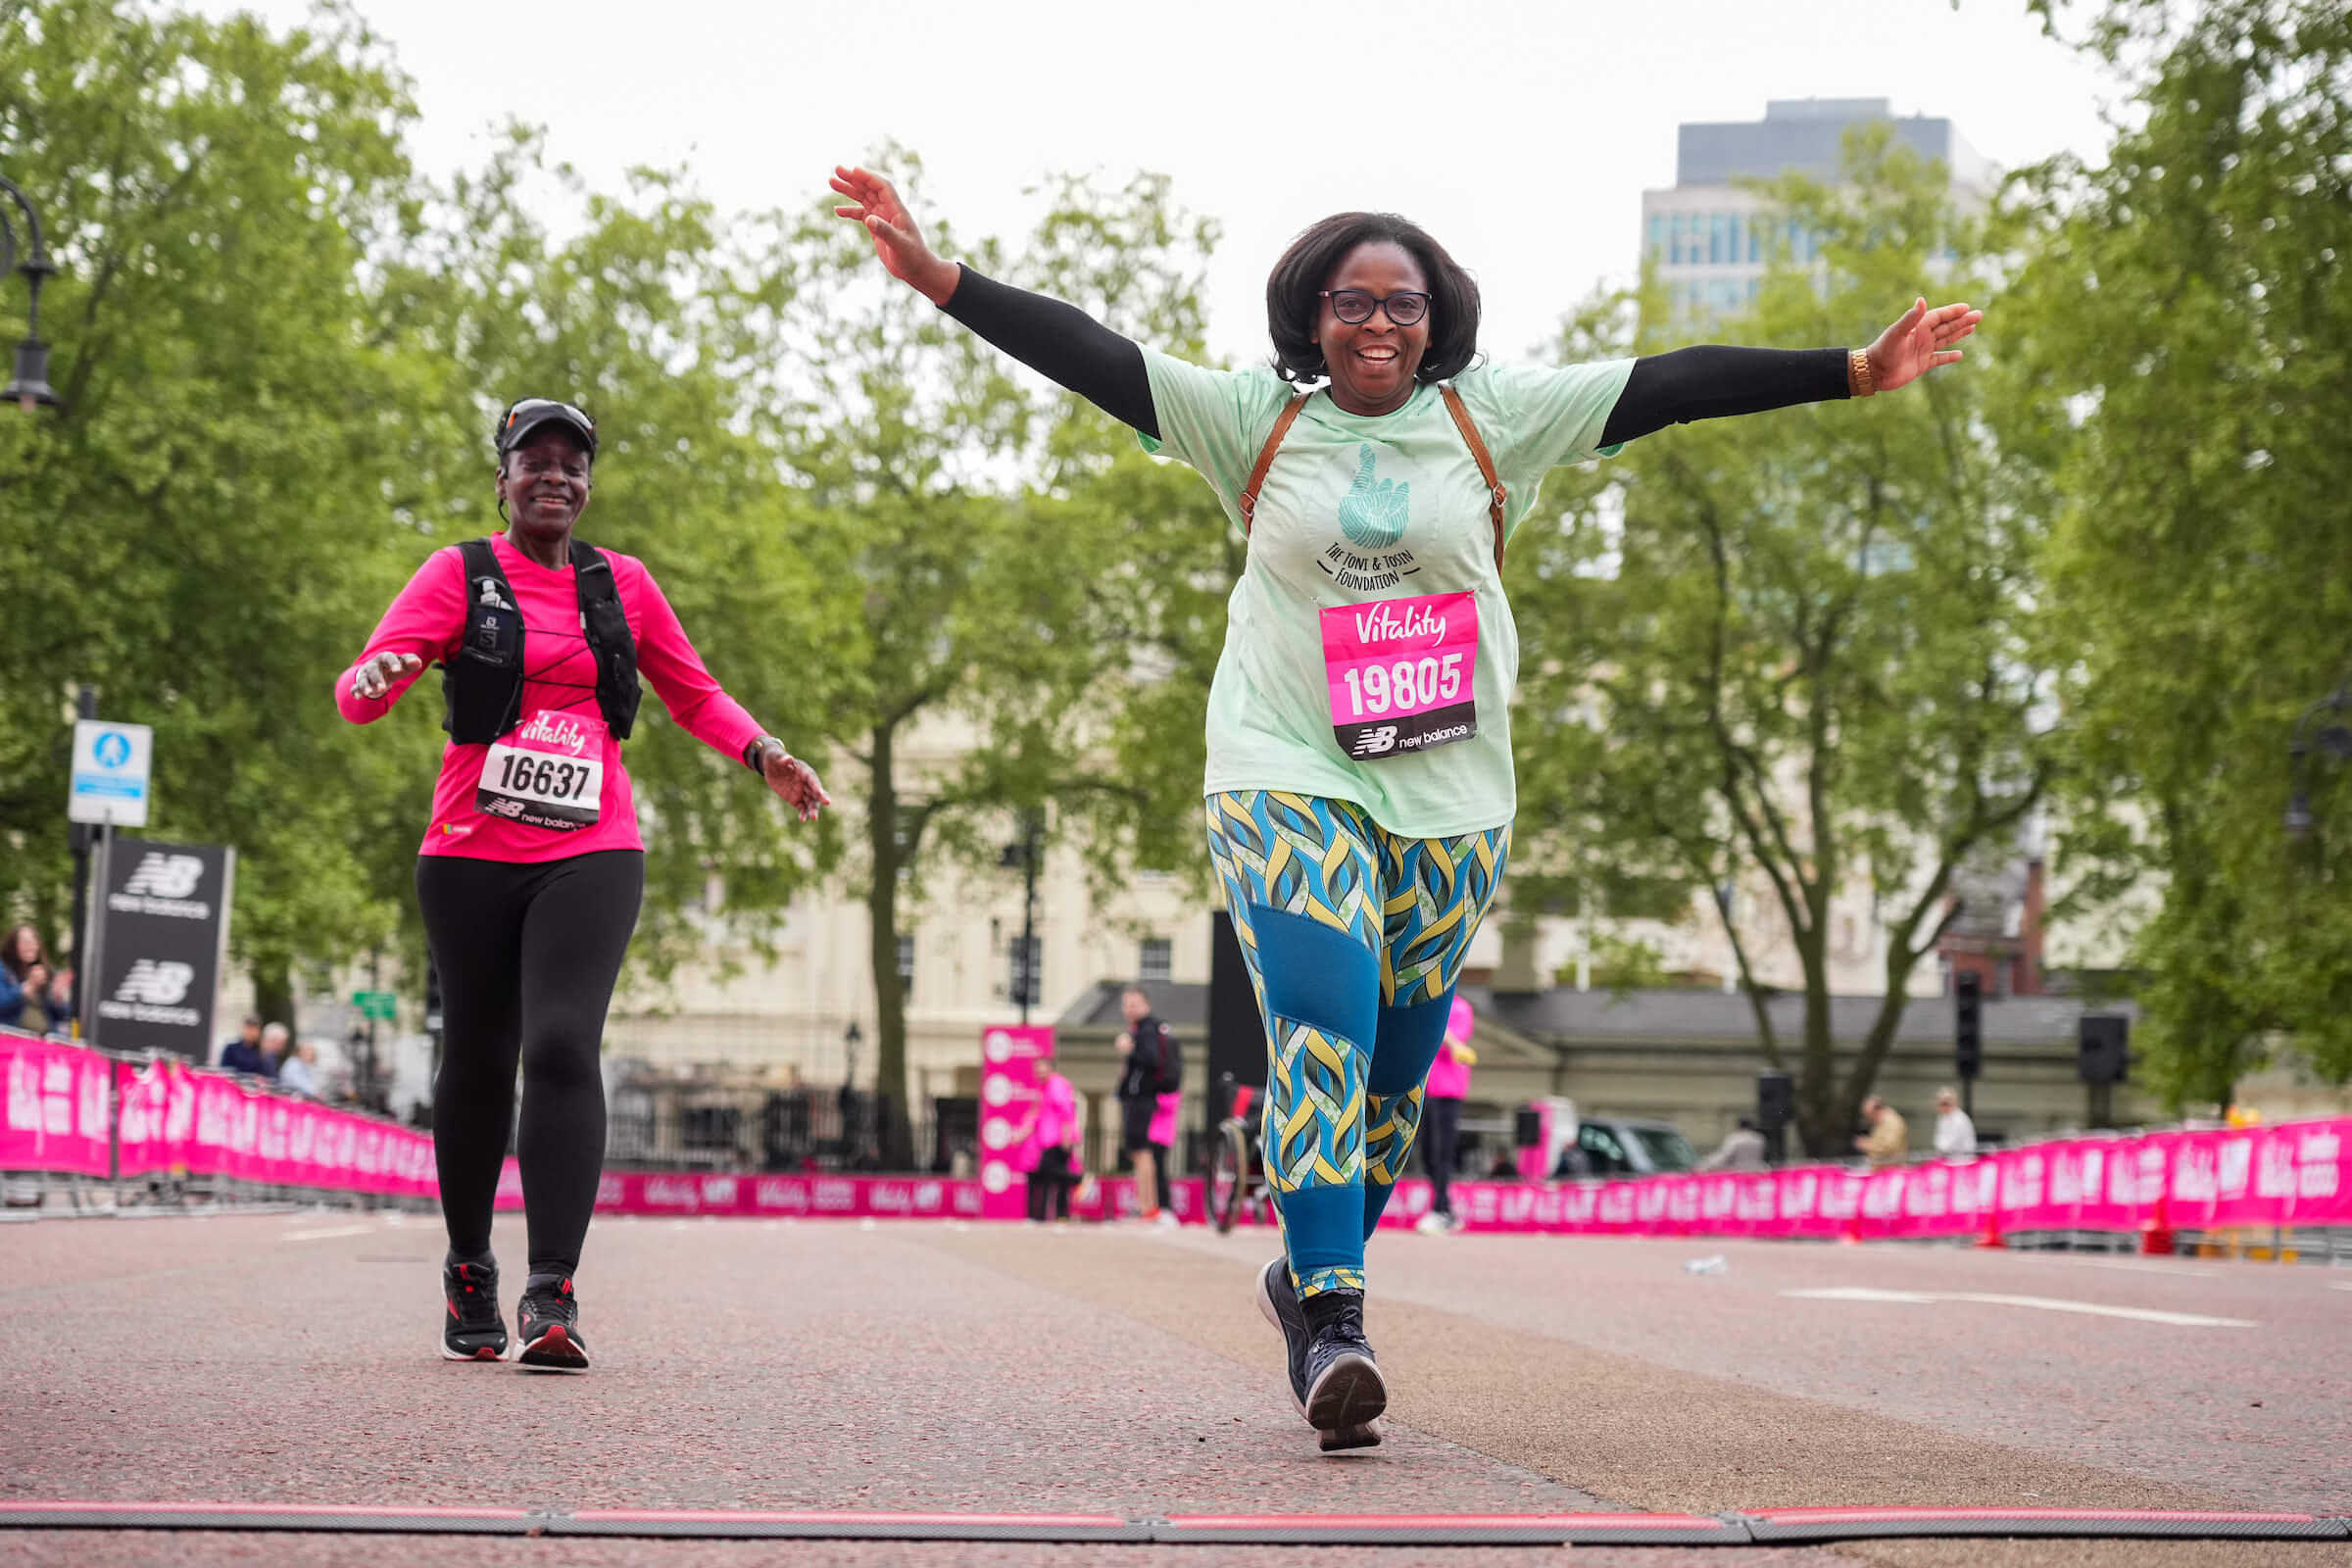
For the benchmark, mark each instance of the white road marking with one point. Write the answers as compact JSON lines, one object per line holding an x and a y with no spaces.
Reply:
{"x":2044,"y":1304}
{"x":321,"y":1236}
{"x":2341,"y":1285}
{"x":2176,"y":1270}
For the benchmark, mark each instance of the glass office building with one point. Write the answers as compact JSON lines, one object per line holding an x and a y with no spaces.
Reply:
{"x":1712,"y":237}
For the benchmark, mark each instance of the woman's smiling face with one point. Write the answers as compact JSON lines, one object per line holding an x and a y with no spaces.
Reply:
{"x":1372,"y":363}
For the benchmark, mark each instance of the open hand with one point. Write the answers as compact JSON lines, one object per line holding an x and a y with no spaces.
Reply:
{"x":874,"y":204}
{"x":795,"y":782}
{"x":1920,"y":342}
{"x":381,"y":673}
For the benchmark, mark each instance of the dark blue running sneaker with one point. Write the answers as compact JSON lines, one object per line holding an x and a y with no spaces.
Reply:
{"x":1278,"y":1304}
{"x":548,"y":1322}
{"x":1346,"y":1394}
{"x":473,"y":1330}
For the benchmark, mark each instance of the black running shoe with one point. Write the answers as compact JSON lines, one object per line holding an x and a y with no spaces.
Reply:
{"x":1278,"y":1304}
{"x":1346,"y":1394}
{"x":549,"y":1324}
{"x":473,"y":1330}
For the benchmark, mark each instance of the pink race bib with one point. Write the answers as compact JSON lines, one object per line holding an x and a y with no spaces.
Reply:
{"x":1401,"y":673}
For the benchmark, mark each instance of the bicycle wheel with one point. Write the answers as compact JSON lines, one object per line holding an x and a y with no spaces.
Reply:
{"x":1227,"y":1176}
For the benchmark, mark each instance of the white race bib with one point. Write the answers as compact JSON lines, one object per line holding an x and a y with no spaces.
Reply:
{"x":548,"y":772}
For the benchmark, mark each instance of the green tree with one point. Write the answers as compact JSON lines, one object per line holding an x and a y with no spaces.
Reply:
{"x":1793,"y":648}
{"x":2189,"y":301}
{"x":190,"y":535}
{"x":956,"y":514}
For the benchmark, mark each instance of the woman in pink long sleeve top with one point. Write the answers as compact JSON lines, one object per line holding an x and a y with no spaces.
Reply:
{"x":532,"y":869}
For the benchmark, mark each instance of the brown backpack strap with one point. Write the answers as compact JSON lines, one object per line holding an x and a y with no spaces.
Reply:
{"x":1499,"y":499}
{"x":1266,"y":456}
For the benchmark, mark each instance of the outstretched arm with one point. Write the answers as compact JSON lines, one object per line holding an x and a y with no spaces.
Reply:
{"x":1058,"y":341}
{"x":1711,"y":382}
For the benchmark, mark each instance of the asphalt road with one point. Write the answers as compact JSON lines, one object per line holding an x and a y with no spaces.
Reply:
{"x":937,"y":1367}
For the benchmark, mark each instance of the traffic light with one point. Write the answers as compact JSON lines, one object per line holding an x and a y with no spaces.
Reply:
{"x":1968,"y":1023}
{"x":2103,"y":1047}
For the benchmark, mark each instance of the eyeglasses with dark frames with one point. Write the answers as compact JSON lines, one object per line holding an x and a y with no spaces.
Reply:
{"x":1355,"y":305}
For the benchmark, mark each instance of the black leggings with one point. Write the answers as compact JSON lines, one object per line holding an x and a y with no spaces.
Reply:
{"x":1440,"y":1150}
{"x":1050,"y":1185}
{"x":527,"y":957}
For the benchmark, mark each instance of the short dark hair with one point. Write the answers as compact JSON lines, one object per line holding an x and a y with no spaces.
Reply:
{"x":1135,"y":986}
{"x":1295,"y":294}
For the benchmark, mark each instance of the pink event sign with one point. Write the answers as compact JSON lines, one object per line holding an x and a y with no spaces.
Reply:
{"x":1009,"y":1085}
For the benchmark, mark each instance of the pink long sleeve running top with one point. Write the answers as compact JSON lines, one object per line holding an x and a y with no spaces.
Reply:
{"x":428,"y":620}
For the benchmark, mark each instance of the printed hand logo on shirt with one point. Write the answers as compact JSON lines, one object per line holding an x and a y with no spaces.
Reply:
{"x":1373,"y":515}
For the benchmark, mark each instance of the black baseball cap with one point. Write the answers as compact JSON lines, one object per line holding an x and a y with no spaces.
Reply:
{"x":522,"y":418}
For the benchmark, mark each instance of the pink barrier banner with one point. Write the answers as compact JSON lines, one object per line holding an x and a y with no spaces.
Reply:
{"x":812,"y":1196}
{"x":176,"y":1119}
{"x":56,"y":1107}
{"x":59,"y":1113}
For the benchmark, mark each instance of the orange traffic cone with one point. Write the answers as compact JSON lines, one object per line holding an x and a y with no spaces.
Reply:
{"x":1991,"y":1239}
{"x":2156,"y":1232}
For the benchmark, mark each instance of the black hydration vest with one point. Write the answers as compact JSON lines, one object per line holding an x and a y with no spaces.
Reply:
{"x":482,"y":687}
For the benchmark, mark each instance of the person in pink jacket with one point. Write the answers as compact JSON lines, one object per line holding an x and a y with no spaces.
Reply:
{"x":532,"y":868}
{"x":1048,"y":1149}
{"x":1442,"y":1119}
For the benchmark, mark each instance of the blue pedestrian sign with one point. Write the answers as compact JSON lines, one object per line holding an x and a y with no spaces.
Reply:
{"x":110,"y":763}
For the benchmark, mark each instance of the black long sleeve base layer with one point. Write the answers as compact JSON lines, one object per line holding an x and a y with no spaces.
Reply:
{"x":527,"y":956}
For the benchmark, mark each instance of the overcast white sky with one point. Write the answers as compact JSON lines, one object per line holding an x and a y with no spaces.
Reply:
{"x":1520,"y":133}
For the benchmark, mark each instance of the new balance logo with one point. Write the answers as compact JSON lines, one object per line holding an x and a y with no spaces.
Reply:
{"x":165,"y":876}
{"x":159,"y":985}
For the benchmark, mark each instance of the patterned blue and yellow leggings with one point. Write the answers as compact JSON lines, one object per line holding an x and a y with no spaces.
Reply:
{"x":1354,"y":938}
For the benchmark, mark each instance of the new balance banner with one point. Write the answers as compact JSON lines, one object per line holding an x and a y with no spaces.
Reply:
{"x":163,"y":919}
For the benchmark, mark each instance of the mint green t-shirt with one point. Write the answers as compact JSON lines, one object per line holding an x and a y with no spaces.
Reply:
{"x":1356,"y":509}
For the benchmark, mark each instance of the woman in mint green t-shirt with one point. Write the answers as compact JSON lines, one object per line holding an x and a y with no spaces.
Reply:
{"x":1359,"y":786}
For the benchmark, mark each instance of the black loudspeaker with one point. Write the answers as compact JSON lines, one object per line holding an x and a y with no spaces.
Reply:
{"x":1527,"y":1128}
{"x":2103,"y":1047}
{"x":1776,"y":1100}
{"x":1236,"y":1035}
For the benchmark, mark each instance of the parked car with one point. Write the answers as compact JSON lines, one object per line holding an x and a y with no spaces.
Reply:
{"x":1621,"y":1146}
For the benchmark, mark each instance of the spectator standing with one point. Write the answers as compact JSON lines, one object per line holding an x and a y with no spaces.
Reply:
{"x":299,"y":1073}
{"x":244,"y":1053}
{"x":1955,"y":1133}
{"x":1442,"y":1119}
{"x":272,"y":1049}
{"x":24,"y":982}
{"x":1151,"y":1089}
{"x":1743,"y":1149}
{"x":1048,"y":1146}
{"x":1888,"y":1139}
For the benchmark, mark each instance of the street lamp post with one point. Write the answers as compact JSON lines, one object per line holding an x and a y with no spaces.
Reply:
{"x":2321,"y":732}
{"x":1024,"y":854}
{"x":30,"y":387}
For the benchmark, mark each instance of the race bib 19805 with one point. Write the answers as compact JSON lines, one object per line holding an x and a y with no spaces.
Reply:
{"x":548,"y":772}
{"x":1401,"y":673}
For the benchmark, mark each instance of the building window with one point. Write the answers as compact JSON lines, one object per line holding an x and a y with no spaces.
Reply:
{"x":1153,"y":964}
{"x":906,"y":963}
{"x":1657,"y":236}
{"x":1718,"y":226}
